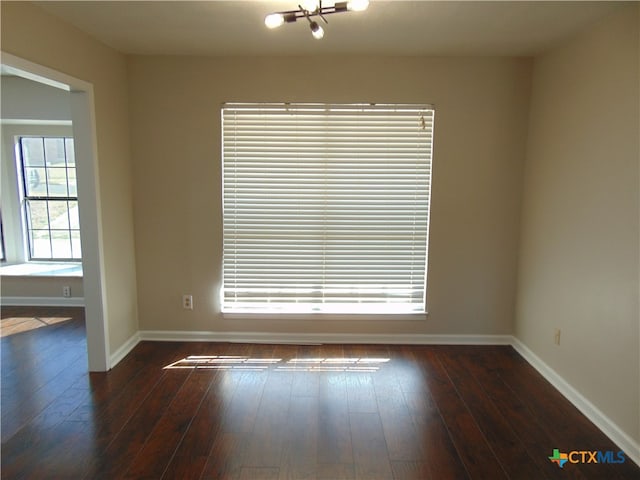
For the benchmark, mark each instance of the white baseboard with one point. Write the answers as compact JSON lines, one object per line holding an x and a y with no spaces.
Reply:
{"x":318,"y":338}
{"x":124,"y":349}
{"x":600,"y":420}
{"x":42,"y":301}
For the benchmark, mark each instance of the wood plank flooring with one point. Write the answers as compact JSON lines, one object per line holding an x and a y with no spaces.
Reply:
{"x":238,"y":411}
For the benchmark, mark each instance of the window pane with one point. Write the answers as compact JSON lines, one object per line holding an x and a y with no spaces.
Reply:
{"x":71,"y":177}
{"x":32,"y":151}
{"x":40,"y":244}
{"x":61,"y":243}
{"x":75,"y":244}
{"x":57,"y":179}
{"x":59,"y":215}
{"x":71,"y":154}
{"x":36,"y":182}
{"x":54,"y":151}
{"x":38,"y":216}
{"x":74,"y":217}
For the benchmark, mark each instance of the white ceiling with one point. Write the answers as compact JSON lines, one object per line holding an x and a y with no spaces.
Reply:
{"x":387,"y":27}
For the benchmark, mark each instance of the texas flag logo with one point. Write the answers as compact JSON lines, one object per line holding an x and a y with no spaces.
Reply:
{"x":559,"y":458}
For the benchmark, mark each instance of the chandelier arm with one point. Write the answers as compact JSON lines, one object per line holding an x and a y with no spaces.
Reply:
{"x":302,"y":13}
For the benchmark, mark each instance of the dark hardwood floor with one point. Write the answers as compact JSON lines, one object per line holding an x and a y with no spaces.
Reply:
{"x":281,"y":411}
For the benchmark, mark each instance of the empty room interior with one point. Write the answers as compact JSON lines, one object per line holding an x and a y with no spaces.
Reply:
{"x":327,"y":240}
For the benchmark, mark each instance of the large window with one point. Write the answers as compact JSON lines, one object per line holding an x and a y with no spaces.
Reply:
{"x":50,"y":198}
{"x":326,"y":207}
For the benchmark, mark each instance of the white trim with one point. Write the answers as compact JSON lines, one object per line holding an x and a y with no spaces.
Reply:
{"x":91,"y":236}
{"x":124,"y":349}
{"x":39,"y":73}
{"x":317,"y":338}
{"x":43,"y":301}
{"x":36,"y":123}
{"x":600,"y":420}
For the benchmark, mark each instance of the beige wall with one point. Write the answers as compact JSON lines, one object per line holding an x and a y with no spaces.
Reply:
{"x":30,"y":33}
{"x":579,"y":248}
{"x":481,"y":113}
{"x":41,"y":287}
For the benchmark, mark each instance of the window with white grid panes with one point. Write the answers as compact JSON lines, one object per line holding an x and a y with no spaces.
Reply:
{"x":50,"y":198}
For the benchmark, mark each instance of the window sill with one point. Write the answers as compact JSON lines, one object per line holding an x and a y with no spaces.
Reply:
{"x":42,"y":269}
{"x":368,"y":317}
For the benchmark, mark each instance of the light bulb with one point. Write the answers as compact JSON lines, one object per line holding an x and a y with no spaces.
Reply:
{"x":316,"y":30}
{"x":310,"y":5}
{"x":357,"y":5}
{"x":274,"y":20}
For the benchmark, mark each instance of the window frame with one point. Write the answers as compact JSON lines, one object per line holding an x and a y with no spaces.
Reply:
{"x":26,"y":199}
{"x":15,"y":241}
{"x":329,"y":313}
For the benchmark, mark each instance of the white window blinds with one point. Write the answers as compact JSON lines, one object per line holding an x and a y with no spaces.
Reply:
{"x":326,"y":207}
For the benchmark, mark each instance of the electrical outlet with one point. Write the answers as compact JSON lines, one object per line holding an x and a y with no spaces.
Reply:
{"x":556,"y":336}
{"x":66,"y":291}
{"x":187,"y":302}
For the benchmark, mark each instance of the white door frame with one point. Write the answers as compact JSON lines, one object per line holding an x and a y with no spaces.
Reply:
{"x":85,"y":145}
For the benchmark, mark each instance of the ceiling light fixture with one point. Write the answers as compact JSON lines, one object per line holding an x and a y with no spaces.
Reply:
{"x":314,"y":8}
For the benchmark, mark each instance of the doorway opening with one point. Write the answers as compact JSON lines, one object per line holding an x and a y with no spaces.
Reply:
{"x":82,"y":121}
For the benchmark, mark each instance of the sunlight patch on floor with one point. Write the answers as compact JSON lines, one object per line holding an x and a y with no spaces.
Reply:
{"x":233,"y":362}
{"x":12,"y":325}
